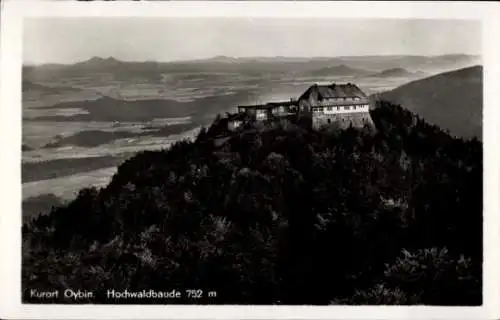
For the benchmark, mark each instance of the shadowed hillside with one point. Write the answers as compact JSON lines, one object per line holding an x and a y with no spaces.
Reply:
{"x":277,"y":214}
{"x":452,"y":100}
{"x":110,"y":109}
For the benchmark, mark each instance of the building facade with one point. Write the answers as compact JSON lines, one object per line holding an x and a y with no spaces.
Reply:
{"x":343,"y":105}
{"x":334,"y":105}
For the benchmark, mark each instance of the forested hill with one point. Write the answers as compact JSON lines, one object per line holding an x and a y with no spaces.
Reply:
{"x":452,"y":100}
{"x":278,"y":215}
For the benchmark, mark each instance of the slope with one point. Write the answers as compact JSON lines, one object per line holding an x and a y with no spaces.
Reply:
{"x":452,"y":100}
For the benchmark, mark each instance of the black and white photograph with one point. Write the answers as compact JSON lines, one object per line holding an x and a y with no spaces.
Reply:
{"x":257,"y":163}
{"x":262,"y":161}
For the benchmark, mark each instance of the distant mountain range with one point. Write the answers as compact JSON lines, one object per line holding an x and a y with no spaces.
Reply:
{"x":362,"y":65}
{"x":360,"y":60}
{"x":452,"y":100}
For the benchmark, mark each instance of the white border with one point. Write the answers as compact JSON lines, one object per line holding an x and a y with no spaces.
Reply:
{"x":10,"y":137}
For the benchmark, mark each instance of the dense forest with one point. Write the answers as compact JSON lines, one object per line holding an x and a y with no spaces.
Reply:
{"x":278,"y":214}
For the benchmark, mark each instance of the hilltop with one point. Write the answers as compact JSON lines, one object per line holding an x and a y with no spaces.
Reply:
{"x":452,"y":100}
{"x":278,"y":214}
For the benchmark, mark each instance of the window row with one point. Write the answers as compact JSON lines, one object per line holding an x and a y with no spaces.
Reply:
{"x":340,"y":99}
{"x":339,"y":108}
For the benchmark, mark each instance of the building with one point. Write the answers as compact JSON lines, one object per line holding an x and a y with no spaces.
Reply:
{"x":269,"y":110}
{"x":340,"y":104}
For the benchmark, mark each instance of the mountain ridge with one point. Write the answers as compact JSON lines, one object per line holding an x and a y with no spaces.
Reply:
{"x":452,"y":100}
{"x":223,"y":58}
{"x":153,"y":70}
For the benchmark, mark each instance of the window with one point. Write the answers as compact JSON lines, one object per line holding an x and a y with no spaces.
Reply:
{"x":328,"y":108}
{"x":338,"y":108}
{"x":347,"y":108}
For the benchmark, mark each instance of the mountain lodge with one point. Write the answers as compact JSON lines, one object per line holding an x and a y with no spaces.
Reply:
{"x":340,"y":104}
{"x":343,"y":104}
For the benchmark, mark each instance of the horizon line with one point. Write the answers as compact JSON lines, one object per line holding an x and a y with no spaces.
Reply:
{"x":36,"y":64}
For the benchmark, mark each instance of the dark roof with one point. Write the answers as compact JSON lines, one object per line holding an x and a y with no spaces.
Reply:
{"x":319,"y":92}
{"x":282,"y":103}
{"x":270,"y":105}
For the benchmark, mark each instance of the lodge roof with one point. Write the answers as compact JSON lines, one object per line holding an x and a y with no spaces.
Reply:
{"x":320,"y":92}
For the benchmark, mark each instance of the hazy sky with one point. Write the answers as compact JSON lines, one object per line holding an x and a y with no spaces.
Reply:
{"x":66,"y":40}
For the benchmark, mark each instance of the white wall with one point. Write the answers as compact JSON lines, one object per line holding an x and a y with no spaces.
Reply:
{"x":261,"y":114}
{"x":234,"y":124}
{"x":342,"y":109}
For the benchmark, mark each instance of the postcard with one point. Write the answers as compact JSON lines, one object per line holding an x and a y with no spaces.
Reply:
{"x":250,"y":160}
